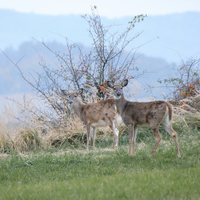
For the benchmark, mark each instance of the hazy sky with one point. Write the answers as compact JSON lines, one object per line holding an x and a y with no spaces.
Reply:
{"x":108,"y":8}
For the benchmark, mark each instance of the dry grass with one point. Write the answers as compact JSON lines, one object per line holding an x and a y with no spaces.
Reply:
{"x":24,"y":126}
{"x":187,"y":116}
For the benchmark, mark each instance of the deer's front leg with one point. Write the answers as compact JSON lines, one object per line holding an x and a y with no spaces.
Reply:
{"x":88,"y":136}
{"x":134,"y":139}
{"x":130,"y":131}
{"x":115,"y":136}
{"x":94,"y":136}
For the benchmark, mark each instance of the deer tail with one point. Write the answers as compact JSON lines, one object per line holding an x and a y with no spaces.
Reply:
{"x":170,"y":111}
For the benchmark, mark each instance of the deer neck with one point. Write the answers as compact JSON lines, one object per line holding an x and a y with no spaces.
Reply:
{"x":78,"y":107}
{"x":120,"y":103}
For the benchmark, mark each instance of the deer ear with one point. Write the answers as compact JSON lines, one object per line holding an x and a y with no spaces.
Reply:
{"x":110,"y":84}
{"x":65,"y":92}
{"x":124,"y":83}
{"x":80,"y":91}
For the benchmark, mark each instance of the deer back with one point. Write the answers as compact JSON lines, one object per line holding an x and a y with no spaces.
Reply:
{"x":99,"y":111}
{"x":145,"y":112}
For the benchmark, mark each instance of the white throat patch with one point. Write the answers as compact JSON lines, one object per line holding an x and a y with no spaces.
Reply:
{"x":118,"y":97}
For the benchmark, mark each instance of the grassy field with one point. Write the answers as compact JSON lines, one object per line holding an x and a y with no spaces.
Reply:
{"x":105,"y":174}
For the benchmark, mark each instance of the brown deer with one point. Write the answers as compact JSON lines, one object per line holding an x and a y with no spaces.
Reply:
{"x":136,"y":114}
{"x":101,"y":114}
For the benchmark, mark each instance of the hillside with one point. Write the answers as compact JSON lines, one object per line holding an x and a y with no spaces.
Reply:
{"x":175,"y":32}
{"x":29,"y":55}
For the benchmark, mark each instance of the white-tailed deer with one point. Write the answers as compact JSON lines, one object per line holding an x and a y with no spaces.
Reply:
{"x":101,"y":114}
{"x":136,"y":114}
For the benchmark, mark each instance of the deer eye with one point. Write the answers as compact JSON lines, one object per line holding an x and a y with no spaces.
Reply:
{"x":114,"y":88}
{"x":75,"y":96}
{"x":121,"y":88}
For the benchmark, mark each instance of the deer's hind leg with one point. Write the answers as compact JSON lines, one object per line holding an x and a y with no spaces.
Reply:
{"x":154,"y":120}
{"x":110,"y":122}
{"x":158,"y":137}
{"x":168,"y":127}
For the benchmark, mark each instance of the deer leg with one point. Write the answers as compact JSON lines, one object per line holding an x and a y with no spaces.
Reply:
{"x":114,"y":141}
{"x":88,"y":136}
{"x":94,"y":136}
{"x":115,"y":136}
{"x":157,"y":139}
{"x":110,"y":123}
{"x":171,"y":131}
{"x":134,"y":139}
{"x":130,"y":131}
{"x":135,"y":136}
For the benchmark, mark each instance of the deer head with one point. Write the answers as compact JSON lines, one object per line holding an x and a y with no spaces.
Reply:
{"x":73,"y":96}
{"x":118,"y":88}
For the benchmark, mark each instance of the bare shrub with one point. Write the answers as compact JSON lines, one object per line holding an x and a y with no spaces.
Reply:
{"x":185,"y":84}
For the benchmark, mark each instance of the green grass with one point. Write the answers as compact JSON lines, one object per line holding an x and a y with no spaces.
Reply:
{"x":103,"y":174}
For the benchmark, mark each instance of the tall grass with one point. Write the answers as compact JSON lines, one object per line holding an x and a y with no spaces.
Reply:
{"x":25,"y":127}
{"x":29,"y":125}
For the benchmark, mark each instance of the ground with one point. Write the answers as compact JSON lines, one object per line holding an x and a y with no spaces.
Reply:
{"x":104,"y":173}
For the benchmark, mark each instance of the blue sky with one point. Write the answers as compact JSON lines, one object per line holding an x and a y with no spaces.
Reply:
{"x":107,"y":8}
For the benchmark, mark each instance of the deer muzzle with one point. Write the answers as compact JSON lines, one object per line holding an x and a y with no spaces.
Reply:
{"x":118,"y":94}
